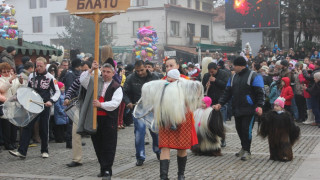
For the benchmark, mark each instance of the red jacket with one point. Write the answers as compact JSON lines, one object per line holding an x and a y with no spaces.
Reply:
{"x":287,"y":91}
{"x":304,"y":81}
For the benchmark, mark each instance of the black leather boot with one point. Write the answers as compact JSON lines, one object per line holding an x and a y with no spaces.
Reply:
{"x":164,"y":168}
{"x":182,"y":161}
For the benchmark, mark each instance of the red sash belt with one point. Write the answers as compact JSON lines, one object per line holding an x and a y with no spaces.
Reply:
{"x":99,"y":111}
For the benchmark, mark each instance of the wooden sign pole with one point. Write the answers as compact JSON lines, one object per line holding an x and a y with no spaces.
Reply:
{"x":97,"y":12}
{"x":96,"y":59}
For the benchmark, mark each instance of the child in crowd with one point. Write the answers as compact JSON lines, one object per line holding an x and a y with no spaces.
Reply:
{"x":210,"y":129}
{"x":286,"y":93}
{"x":281,"y":130}
{"x":173,"y":75}
{"x":60,"y":117}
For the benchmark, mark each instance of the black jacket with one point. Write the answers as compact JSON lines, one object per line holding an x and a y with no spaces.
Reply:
{"x":71,"y":75}
{"x":216,"y":88}
{"x":310,"y":77}
{"x":245,"y":98}
{"x":314,"y":90}
{"x":133,"y":85}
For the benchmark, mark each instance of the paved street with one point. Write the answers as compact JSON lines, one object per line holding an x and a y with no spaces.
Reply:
{"x":198,"y":167}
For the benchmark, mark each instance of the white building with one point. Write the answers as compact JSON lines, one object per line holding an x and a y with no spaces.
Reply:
{"x":40,"y":20}
{"x":178,"y":22}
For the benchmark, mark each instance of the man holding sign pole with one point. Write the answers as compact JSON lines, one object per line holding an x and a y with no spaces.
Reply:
{"x":109,"y":98}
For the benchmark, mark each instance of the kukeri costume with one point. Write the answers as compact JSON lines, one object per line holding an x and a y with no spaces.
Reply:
{"x":210,"y":131}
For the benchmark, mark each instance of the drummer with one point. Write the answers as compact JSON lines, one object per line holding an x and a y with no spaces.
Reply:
{"x":44,"y":84}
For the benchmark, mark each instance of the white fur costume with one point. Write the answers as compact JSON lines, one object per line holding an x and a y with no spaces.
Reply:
{"x":171,"y":101}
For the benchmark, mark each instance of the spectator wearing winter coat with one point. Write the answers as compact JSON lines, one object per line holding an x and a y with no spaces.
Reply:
{"x":9,"y":85}
{"x":306,"y":95}
{"x":286,"y":93}
{"x":8,"y":55}
{"x":298,"y":94}
{"x":28,"y":68}
{"x":24,"y":60}
{"x":72,"y":74}
{"x":274,"y":91}
{"x":60,"y":117}
{"x":314,"y":91}
{"x":309,"y":76}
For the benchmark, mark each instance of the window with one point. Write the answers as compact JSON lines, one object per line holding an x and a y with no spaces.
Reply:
{"x":137,"y":25}
{"x":174,"y":2}
{"x":191,"y":30}
{"x":189,"y":3}
{"x":142,"y":2}
{"x":204,"y":31}
{"x":174,"y":28}
{"x":43,"y":3}
{"x":33,"y":4}
{"x":63,"y":20}
{"x":197,"y":4}
{"x":37,"y":24}
{"x":207,"y":7}
{"x":111,"y":29}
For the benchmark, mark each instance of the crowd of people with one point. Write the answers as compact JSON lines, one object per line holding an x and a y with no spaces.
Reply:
{"x":240,"y":86}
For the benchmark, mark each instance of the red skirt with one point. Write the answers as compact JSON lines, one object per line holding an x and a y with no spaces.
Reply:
{"x":184,"y":137}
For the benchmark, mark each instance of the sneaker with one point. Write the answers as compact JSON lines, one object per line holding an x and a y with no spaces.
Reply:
{"x":246,"y":156}
{"x":17,"y":154}
{"x":45,"y":155}
{"x":240,"y":153}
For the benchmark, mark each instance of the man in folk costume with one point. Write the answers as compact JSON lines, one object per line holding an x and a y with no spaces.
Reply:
{"x":109,"y":98}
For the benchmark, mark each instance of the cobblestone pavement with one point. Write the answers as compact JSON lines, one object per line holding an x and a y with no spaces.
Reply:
{"x":198,"y":167}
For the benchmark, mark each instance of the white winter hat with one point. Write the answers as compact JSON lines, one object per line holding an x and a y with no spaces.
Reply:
{"x":174,"y":73}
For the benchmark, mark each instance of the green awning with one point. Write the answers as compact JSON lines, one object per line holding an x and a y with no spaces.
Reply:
{"x":30,"y":47}
{"x":122,"y":49}
{"x":213,"y":48}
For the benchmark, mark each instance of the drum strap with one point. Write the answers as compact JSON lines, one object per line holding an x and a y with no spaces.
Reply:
{"x":100,"y":111}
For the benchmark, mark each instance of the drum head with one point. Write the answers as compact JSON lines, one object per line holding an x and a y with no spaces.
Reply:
{"x":30,"y":100}
{"x":140,"y":111}
{"x":145,"y":114}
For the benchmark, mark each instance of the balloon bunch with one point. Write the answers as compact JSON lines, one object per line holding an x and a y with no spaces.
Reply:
{"x":8,"y":24}
{"x":145,"y":47}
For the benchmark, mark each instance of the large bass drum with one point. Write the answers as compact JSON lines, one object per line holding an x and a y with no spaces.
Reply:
{"x":23,"y":107}
{"x":146,"y":115}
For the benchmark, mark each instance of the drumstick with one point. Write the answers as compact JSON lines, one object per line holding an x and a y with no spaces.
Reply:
{"x":36,"y":102}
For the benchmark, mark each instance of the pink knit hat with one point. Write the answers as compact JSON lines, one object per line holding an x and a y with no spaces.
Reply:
{"x":280,"y":102}
{"x":60,"y":85}
{"x":207,"y":100}
{"x":311,"y":66}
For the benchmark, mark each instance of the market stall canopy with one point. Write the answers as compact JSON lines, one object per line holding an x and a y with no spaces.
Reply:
{"x":28,"y":47}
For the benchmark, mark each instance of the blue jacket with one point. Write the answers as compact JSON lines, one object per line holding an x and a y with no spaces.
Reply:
{"x":60,"y":116}
{"x":274,"y":92}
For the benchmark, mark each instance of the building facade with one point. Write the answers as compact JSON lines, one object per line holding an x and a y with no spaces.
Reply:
{"x":177,"y":22}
